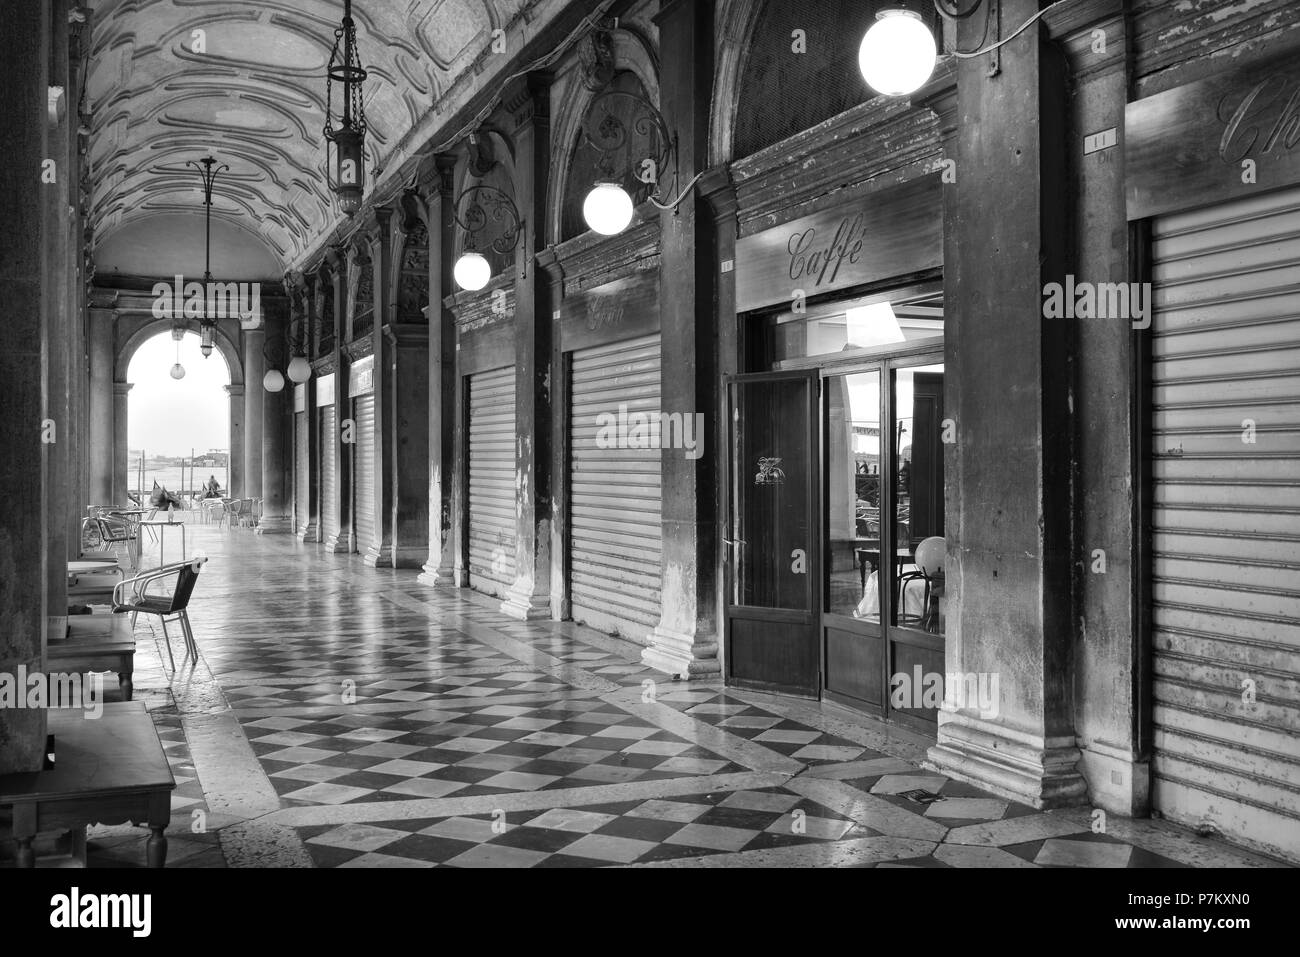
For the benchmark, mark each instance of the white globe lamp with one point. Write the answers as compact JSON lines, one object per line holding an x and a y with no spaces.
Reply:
{"x":897,"y":54}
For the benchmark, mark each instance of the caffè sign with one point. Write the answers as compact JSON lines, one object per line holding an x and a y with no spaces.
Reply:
{"x":1227,"y":136}
{"x":891,"y":232}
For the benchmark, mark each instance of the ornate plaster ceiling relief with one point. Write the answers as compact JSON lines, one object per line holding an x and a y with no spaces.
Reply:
{"x":171,"y":81}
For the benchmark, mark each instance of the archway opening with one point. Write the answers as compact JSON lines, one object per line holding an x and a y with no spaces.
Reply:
{"x":178,"y":428}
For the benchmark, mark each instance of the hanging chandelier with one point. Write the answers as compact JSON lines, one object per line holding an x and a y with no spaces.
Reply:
{"x":350,"y":135}
{"x":207,"y":321}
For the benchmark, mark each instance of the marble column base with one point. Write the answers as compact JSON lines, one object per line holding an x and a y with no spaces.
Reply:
{"x":436,"y":573}
{"x":526,"y":606}
{"x":338,"y":544}
{"x":1117,"y":781}
{"x":309,"y":532}
{"x":1040,"y":772}
{"x":275,"y":525}
{"x":681,"y":655}
{"x":378,"y":556}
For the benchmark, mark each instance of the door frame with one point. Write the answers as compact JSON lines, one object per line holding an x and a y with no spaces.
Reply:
{"x":729,"y":546}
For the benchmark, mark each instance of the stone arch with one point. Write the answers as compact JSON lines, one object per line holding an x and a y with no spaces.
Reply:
{"x":633,"y":53}
{"x":222,"y":341}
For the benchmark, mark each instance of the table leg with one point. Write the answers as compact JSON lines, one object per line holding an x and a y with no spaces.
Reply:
{"x":156,"y":848}
{"x":125,"y":682}
{"x":25,"y":856}
{"x":160,"y":814}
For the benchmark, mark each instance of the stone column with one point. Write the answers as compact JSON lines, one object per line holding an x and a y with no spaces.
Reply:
{"x":685,"y":642}
{"x":1009,"y":529}
{"x":341,"y":540}
{"x":408,"y":436}
{"x":63,"y":435}
{"x":719,"y":192}
{"x":24,"y":59}
{"x":277,"y":439}
{"x":379,"y":554}
{"x":235,"y":484}
{"x":442,"y":370}
{"x":122,"y":464}
{"x":310,"y":532}
{"x":101,"y":408}
{"x":528,"y":102}
{"x":254,"y":401}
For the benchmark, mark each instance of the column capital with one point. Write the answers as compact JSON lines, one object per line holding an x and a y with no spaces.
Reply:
{"x":234,"y":389}
{"x":122,"y":388}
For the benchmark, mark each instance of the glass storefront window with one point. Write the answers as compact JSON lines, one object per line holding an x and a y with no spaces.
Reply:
{"x":917,"y":437}
{"x":860,"y":326}
{"x":853,"y":463}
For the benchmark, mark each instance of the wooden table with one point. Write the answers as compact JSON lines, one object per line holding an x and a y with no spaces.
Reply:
{"x":85,"y":567}
{"x":94,"y":650}
{"x":109,"y":770}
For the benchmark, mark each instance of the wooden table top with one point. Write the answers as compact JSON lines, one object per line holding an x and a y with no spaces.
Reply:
{"x":85,"y":567}
{"x":80,"y":643}
{"x":117,"y":753}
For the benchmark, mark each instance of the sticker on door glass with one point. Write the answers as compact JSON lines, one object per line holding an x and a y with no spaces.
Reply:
{"x":769,"y":472}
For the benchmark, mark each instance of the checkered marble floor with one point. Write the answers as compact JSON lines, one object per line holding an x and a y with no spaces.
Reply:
{"x":344,"y":716}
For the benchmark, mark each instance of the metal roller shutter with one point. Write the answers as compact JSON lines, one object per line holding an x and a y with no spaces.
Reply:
{"x":492,"y":480}
{"x":614,"y":493}
{"x":363,"y":482}
{"x":1226,"y":550}
{"x":329,"y":489}
{"x":302,"y":471}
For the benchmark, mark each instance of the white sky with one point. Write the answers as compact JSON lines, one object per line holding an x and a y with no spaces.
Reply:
{"x":168,"y":416}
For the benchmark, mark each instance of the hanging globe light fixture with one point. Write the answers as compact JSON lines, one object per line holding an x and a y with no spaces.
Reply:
{"x":472,"y":271}
{"x":607,"y":209}
{"x":898,"y":53}
{"x":178,"y":333}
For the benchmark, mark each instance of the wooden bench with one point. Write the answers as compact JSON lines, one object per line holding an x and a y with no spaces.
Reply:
{"x":96,"y":643}
{"x":108,"y":770}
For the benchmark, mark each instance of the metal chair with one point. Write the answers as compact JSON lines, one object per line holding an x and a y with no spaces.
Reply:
{"x":928,"y":560}
{"x":115,"y":533}
{"x":168,"y":607}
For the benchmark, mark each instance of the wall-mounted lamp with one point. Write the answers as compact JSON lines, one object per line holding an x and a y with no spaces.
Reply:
{"x":608,"y":207}
{"x":898,"y":53}
{"x":298,"y":368}
{"x":477,"y":208}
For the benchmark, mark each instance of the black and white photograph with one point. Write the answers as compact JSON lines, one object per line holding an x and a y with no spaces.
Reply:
{"x":650,"y":434}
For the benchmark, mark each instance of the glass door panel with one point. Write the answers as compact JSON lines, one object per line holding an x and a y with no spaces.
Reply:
{"x":853,"y":459}
{"x":773,"y":542}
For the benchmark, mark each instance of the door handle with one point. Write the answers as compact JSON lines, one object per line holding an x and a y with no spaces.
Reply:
{"x":734,"y":543}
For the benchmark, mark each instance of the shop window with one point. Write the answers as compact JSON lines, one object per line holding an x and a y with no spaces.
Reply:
{"x":866,"y":326}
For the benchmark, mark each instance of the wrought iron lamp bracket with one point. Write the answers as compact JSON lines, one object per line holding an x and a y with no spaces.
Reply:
{"x":479,"y":206}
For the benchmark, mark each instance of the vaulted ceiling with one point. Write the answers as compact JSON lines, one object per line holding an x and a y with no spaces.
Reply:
{"x":249,"y":88}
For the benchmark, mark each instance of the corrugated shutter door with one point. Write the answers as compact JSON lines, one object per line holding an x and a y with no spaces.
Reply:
{"x":1226,"y":420}
{"x":302,"y":471}
{"x":614,"y":493}
{"x":364,"y":465}
{"x":329,"y":489}
{"x":492,"y":480}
